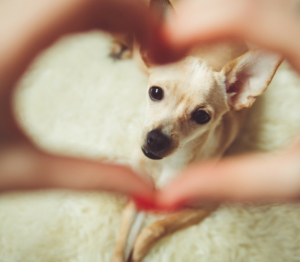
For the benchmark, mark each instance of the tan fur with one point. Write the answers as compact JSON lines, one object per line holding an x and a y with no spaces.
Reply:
{"x":189,"y":84}
{"x":216,"y":79}
{"x":229,"y":71}
{"x":177,"y":221}
{"x":128,"y":217}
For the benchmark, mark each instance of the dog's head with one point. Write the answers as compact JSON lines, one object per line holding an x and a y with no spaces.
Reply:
{"x":185,"y":100}
{"x":188,"y":98}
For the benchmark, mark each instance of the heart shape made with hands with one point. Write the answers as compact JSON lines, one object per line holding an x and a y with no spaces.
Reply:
{"x":93,"y":117}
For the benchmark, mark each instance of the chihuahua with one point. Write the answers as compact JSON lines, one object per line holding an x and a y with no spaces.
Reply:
{"x":195,"y":109}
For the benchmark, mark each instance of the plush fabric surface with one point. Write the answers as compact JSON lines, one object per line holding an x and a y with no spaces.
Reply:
{"x":76,"y":100}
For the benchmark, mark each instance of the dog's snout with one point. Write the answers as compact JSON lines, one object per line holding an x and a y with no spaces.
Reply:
{"x":157,"y":141}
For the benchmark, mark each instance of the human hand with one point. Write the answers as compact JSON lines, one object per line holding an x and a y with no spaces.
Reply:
{"x":247,"y":178}
{"x":269,"y":24}
{"x":33,"y":30}
{"x":255,"y":178}
{"x":24,"y":32}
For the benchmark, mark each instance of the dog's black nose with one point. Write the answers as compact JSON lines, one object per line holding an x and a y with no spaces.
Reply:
{"x":157,"y":141}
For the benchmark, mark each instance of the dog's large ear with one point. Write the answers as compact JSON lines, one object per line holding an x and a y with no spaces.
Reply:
{"x":162,"y":9}
{"x":248,"y":76}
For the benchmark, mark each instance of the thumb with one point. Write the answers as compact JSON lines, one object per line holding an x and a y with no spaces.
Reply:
{"x":24,"y":167}
{"x":246,"y":178}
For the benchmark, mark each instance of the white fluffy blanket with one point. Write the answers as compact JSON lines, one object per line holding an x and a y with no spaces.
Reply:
{"x":76,"y":100}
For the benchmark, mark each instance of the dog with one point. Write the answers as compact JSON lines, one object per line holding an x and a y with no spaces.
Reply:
{"x":196,"y":107}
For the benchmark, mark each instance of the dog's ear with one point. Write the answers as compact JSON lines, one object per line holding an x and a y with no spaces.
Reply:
{"x":248,"y":76}
{"x":162,"y":9}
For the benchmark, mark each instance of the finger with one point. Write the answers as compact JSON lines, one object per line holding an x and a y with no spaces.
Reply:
{"x":24,"y":34}
{"x":120,"y":16}
{"x":198,"y":22}
{"x":251,"y":178}
{"x":265,"y":23}
{"x":24,"y":167}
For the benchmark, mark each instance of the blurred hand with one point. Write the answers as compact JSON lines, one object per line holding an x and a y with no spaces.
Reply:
{"x":24,"y":32}
{"x":267,"y":23}
{"x":248,"y":178}
{"x":26,"y":28}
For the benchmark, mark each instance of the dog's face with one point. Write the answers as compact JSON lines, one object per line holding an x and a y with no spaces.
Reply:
{"x":185,"y":100}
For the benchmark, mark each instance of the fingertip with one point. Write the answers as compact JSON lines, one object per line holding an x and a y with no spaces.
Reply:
{"x":163,"y":50}
{"x":144,"y":203}
{"x":159,"y":201}
{"x":166,"y":200}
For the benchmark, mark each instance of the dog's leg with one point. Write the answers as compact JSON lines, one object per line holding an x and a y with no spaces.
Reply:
{"x":122,"y":46}
{"x":180,"y":220}
{"x":130,"y":227}
{"x":134,"y":231}
{"x":128,"y":217}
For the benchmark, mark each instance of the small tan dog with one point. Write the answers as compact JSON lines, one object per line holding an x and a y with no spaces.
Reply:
{"x":195,"y":109}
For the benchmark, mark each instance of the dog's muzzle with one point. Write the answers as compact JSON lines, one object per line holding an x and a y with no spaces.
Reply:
{"x":157,"y":143}
{"x":150,"y":155}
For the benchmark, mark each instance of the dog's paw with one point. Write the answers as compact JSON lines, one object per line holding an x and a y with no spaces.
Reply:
{"x":119,"y":51}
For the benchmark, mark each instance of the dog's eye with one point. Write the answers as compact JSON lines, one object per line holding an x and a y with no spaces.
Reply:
{"x":201,"y":117}
{"x":156,"y":93}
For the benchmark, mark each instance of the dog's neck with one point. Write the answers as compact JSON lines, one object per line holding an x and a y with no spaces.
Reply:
{"x":171,"y":166}
{"x":199,"y":148}
{"x":212,"y":145}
